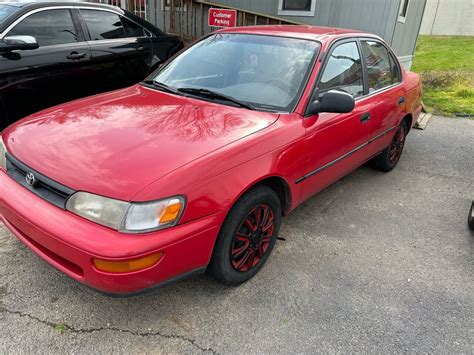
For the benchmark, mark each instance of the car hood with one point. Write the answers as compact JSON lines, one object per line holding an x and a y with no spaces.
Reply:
{"x":117,"y":143}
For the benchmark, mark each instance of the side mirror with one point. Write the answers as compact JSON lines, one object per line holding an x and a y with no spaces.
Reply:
{"x":332,"y":101}
{"x":12,"y":43}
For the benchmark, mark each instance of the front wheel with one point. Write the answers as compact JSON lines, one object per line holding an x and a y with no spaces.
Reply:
{"x":389,"y":158}
{"x":470,"y":217}
{"x":247,"y":236}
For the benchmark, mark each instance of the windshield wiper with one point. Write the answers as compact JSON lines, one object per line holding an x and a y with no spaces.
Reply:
{"x":215,"y":95}
{"x":161,"y":86}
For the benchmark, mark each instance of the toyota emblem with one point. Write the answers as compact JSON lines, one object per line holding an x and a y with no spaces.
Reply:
{"x":31,"y":179}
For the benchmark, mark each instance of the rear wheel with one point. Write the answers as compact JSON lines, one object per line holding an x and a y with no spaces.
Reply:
{"x":389,"y":158}
{"x":247,"y":236}
{"x":470,"y":217}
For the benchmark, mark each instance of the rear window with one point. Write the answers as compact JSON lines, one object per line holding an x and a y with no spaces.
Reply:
{"x":103,"y":24}
{"x":5,"y":11}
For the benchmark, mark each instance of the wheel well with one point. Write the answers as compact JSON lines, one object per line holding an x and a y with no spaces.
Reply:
{"x":409,"y":120}
{"x":280,"y":186}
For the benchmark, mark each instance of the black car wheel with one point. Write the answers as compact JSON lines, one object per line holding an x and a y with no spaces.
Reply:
{"x":247,"y":236}
{"x":470,"y":217}
{"x":389,"y":158}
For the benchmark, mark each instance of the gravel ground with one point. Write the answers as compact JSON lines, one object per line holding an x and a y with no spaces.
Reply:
{"x":375,"y":263}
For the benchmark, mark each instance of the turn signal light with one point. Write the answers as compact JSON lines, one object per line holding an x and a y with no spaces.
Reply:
{"x":127,"y":265}
{"x":171,"y":212}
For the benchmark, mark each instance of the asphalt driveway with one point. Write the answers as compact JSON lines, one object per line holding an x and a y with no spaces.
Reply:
{"x":377,"y":262}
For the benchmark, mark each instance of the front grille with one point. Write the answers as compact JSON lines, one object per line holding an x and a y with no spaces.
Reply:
{"x":45,"y":188}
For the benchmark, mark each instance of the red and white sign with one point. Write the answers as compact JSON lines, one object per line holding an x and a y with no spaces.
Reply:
{"x":222,"y":18}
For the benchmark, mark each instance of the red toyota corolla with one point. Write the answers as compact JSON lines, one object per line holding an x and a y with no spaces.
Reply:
{"x":192,"y":169}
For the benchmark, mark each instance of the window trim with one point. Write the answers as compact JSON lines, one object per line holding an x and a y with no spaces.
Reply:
{"x":400,"y":17}
{"x":397,"y":64}
{"x":324,"y":59}
{"x":394,"y":57}
{"x":309,"y":13}
{"x":80,"y":34}
{"x":365,"y":64}
{"x":87,"y":34}
{"x":81,"y":31}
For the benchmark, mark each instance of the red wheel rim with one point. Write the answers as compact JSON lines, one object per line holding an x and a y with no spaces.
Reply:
{"x":252,"y":240}
{"x":397,"y":145}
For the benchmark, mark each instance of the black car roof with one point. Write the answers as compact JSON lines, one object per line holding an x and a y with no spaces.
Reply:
{"x":39,"y":3}
{"x":26,"y":6}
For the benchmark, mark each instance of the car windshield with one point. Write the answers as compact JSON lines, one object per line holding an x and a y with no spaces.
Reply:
{"x":263,"y":72}
{"x":5,"y":11}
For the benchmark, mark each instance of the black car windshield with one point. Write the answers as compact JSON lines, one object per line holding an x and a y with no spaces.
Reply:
{"x":5,"y":11}
{"x":264,"y":72}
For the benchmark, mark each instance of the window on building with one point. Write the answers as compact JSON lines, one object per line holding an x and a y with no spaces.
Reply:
{"x":166,"y":5}
{"x":296,"y":7}
{"x":402,"y":14}
{"x":343,"y":71}
{"x":48,"y":27}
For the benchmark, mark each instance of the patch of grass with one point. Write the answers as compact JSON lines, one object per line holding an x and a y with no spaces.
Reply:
{"x":444,"y":53}
{"x":60,"y":328}
{"x":446,"y":64}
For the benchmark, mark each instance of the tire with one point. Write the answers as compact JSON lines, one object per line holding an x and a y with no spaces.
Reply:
{"x":470,"y":217}
{"x":243,"y":246}
{"x":390,"y":156}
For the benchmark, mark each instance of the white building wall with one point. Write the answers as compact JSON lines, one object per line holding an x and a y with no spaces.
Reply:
{"x":448,"y":17}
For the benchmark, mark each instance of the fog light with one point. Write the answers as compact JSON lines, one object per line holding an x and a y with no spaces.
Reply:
{"x":127,"y":265}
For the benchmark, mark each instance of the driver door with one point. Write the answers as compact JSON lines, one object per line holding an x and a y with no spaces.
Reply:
{"x":31,"y":80}
{"x":335,"y":142}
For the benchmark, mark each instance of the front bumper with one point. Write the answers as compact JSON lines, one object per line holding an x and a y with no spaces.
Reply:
{"x":69,"y":242}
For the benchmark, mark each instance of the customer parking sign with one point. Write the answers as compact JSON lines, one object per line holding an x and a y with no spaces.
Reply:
{"x":222,"y":18}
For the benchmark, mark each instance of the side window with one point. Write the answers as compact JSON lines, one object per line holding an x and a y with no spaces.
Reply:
{"x":49,"y":27}
{"x":396,"y":75}
{"x":103,"y":24}
{"x":343,"y":71}
{"x":379,"y":69}
{"x":132,"y":29}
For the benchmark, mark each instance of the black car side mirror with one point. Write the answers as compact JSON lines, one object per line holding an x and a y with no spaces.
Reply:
{"x":332,"y":101}
{"x":12,"y":43}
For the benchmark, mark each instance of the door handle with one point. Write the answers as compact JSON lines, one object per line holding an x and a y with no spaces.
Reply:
{"x":141,"y":49}
{"x":365,"y":117}
{"x":75,"y":55}
{"x":401,"y":100}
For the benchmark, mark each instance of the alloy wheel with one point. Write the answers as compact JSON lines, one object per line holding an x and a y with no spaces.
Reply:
{"x":252,"y":239}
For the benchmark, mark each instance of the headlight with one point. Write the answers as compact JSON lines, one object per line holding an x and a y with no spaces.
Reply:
{"x":3,"y":159}
{"x":128,"y":217}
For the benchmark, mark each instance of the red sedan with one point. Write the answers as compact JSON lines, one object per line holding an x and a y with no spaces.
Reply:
{"x":192,"y":169}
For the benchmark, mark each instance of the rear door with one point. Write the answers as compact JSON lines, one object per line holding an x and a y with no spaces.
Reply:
{"x":31,"y":80}
{"x":121,"y":51}
{"x":385,"y":93}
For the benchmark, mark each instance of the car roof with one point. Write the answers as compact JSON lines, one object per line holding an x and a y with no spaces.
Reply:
{"x":320,"y":33}
{"x":26,"y":6}
{"x":40,"y":3}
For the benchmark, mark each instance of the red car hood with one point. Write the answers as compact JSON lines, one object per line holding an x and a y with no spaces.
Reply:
{"x":117,"y":143}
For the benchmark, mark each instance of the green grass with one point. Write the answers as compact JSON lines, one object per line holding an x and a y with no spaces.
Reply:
{"x":60,"y":328}
{"x":446,"y":64}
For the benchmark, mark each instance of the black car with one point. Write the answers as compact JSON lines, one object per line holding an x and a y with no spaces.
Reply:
{"x":53,"y":52}
{"x":470,"y":217}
